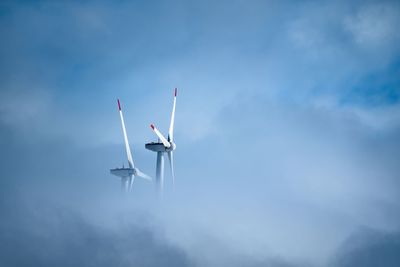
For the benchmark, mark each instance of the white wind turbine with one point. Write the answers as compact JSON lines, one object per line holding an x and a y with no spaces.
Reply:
{"x":166,"y":145}
{"x":127,"y":174}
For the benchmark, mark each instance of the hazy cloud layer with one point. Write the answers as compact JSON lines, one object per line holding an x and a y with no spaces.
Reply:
{"x":44,"y":235}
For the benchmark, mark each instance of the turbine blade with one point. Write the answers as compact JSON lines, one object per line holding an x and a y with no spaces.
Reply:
{"x":162,"y":138}
{"x":128,"y":150}
{"x":171,"y":163}
{"x":143,"y":175}
{"x":131,"y":179}
{"x":171,"y":125}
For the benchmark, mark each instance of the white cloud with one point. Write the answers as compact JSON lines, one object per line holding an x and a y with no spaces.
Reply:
{"x":375,"y":26}
{"x":22,"y":108}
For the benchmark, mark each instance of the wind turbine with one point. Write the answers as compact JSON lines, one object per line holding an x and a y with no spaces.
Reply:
{"x":164,"y":145}
{"x":127,"y":174}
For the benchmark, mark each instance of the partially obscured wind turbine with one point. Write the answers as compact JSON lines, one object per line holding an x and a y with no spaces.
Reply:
{"x":127,"y":174}
{"x":166,"y":145}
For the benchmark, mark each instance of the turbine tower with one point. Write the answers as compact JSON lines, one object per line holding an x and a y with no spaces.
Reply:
{"x":127,"y":174}
{"x":164,"y":145}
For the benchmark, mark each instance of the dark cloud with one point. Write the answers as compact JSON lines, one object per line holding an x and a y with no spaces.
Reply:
{"x":42,"y":234}
{"x":370,"y":248}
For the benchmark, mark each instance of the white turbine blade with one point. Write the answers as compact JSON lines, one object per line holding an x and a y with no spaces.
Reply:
{"x":131,"y":179}
{"x":128,"y":150}
{"x":162,"y":138}
{"x":171,"y":126}
{"x":143,"y":175}
{"x":171,"y":163}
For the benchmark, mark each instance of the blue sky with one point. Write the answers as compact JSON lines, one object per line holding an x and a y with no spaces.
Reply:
{"x":287,"y":132}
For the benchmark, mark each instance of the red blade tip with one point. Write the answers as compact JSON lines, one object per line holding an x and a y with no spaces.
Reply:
{"x":176,"y":91}
{"x":152,"y":126}
{"x":119,"y":105}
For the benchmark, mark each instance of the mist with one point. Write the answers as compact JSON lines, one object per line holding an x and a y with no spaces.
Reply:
{"x":287,"y":130}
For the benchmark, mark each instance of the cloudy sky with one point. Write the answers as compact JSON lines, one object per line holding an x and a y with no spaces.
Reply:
{"x":287,"y":132}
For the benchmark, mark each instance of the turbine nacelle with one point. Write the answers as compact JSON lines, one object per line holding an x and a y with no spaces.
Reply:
{"x":122,"y":172}
{"x":159,"y":147}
